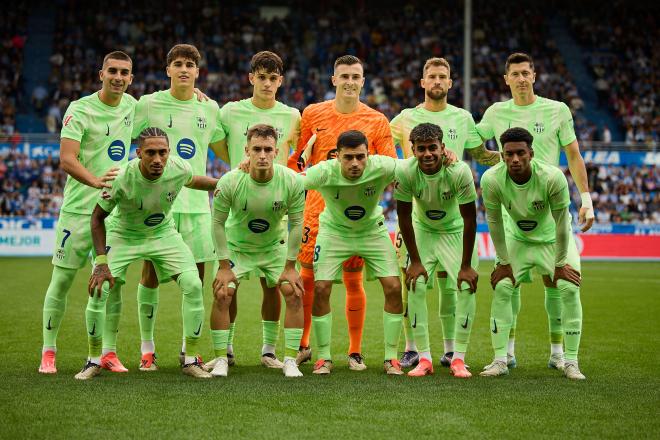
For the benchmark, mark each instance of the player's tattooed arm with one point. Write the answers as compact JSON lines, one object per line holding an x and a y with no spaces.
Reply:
{"x":415,"y":268}
{"x":101,"y":272}
{"x":69,"y":150}
{"x":202,"y":183}
{"x":467,"y":273}
{"x":484,"y":156}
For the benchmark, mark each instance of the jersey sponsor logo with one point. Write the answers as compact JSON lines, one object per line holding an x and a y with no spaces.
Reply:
{"x":370,"y":191}
{"x":117,"y":150}
{"x":201,"y":122}
{"x":539,"y":127}
{"x":538,"y":205}
{"x":526,"y":225}
{"x":435,"y":214}
{"x":258,"y":225}
{"x":67,"y":120}
{"x":186,"y":148}
{"x":278,"y":205}
{"x":355,"y":212}
{"x":452,"y":134}
{"x":154,"y":219}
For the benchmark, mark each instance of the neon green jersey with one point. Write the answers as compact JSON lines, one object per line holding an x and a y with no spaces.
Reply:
{"x":190,"y":126}
{"x":351,"y":206}
{"x":459,"y":130}
{"x":237,"y":117}
{"x":549,"y":121}
{"x":104,"y":133}
{"x":257,"y":209}
{"x":143,"y":206}
{"x":436,"y":196}
{"x":529,"y":205}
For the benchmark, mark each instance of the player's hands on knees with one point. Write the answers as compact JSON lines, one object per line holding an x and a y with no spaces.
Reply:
{"x":221,"y":282}
{"x":567,"y":273}
{"x":104,"y":180}
{"x":244,"y":165}
{"x":500,"y":272}
{"x":415,"y":270}
{"x":586,"y":218}
{"x":470,"y":276}
{"x":448,"y":157}
{"x":292,"y":277}
{"x":100,"y":275}
{"x":201,"y":96}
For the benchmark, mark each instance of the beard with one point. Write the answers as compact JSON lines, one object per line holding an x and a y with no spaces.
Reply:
{"x":436,"y":95}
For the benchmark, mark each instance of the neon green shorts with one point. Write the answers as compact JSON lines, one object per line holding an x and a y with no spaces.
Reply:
{"x":196,"y":232}
{"x":268,"y":264}
{"x":169,"y":255}
{"x":443,"y":253}
{"x":375,"y":248}
{"x":73,"y":240}
{"x":540,"y":257}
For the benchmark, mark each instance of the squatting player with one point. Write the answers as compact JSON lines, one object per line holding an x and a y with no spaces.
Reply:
{"x":460,"y":134}
{"x":95,"y":139}
{"x":352,"y":223}
{"x":551,"y":124}
{"x":144,"y":194}
{"x":535,"y":196}
{"x":266,"y":76}
{"x":439,"y":236}
{"x":254,"y":238}
{"x":192,"y":126}
{"x":320,"y":126}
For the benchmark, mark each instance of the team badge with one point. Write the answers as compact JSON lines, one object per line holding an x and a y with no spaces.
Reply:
{"x":278,"y":205}
{"x":446,"y":195}
{"x":201,"y":122}
{"x":452,"y":133}
{"x":538,"y":205}
{"x":127,"y":121}
{"x":539,"y":127}
{"x":171,"y":195}
{"x":60,"y":254}
{"x":370,"y":191}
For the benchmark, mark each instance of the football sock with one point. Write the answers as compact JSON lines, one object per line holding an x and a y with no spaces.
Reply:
{"x":466,"y":306}
{"x":512,"y":346}
{"x":418,"y":316}
{"x":407,"y":329}
{"x":271,"y":332}
{"x":323,"y":334}
{"x":192,"y":309}
{"x":147,"y":347}
{"x":391,"y":330}
{"x":571,"y":317}
{"x":426,"y":355}
{"x":307,"y":276}
{"x":230,"y":341}
{"x":95,"y":319}
{"x":112,"y":315}
{"x":556,"y":349}
{"x":220,"y":339}
{"x":500,"y":317}
{"x":356,"y":301}
{"x":447,"y":312}
{"x":55,"y":303}
{"x":292,"y":341}
{"x":515,"y":310}
{"x":458,"y":355}
{"x":147,"y":299}
{"x":553,"y":309}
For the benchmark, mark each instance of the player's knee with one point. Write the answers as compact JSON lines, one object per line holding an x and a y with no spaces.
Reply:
{"x":61,"y":280}
{"x":322,"y":290}
{"x":191,"y":285}
{"x":392,"y":291}
{"x":291,"y":300}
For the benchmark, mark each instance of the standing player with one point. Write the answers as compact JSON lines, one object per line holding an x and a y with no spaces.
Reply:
{"x":352,"y":223}
{"x":535,"y":196}
{"x":95,"y":138}
{"x":445,"y":226}
{"x":551,"y":123}
{"x":320,"y":126}
{"x":144,"y":193}
{"x":253,"y":240}
{"x":460,"y":134}
{"x":266,"y":70}
{"x":192,"y":126}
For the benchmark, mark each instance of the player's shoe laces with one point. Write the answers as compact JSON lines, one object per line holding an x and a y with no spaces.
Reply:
{"x":392,"y":367}
{"x":322,"y":367}
{"x":48,"y":362}
{"x":111,"y":362}
{"x":290,"y":368}
{"x":89,"y":370}
{"x":556,"y":361}
{"x":572,"y":371}
{"x":446,"y":358}
{"x":220,"y":367}
{"x":496,"y":368}
{"x":148,"y":362}
{"x":459,"y":369}
{"x":409,"y":359}
{"x":355,"y":362}
{"x":424,"y":368}
{"x":511,"y":361}
{"x":269,"y":360}
{"x":195,"y":369}
{"x":304,"y":355}
{"x":182,"y":360}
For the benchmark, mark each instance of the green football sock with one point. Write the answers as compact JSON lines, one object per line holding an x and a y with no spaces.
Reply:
{"x":292,"y":337}
{"x":447,"y":310}
{"x":466,"y":306}
{"x":322,"y":328}
{"x":407,"y":329}
{"x":95,"y":319}
{"x":501,"y":316}
{"x":232,"y":328}
{"x":270,"y":332}
{"x":192,"y":309}
{"x":419,"y":316}
{"x":55,"y":303}
{"x":553,"y":302}
{"x":515,"y":310}
{"x":220,"y":339}
{"x":113,"y":307}
{"x":147,"y":299}
{"x":392,"y":330}
{"x":571,"y":317}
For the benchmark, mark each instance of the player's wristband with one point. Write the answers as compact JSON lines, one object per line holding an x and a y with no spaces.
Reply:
{"x":100,"y":259}
{"x":586,"y":200}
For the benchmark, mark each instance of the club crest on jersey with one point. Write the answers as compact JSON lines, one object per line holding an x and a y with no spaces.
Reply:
{"x":186,"y":148}
{"x":452,"y":133}
{"x":526,"y":225}
{"x":60,"y":254}
{"x":127,"y":121}
{"x":116,"y":150}
{"x":446,"y":195}
{"x":170,"y":196}
{"x":154,"y":219}
{"x":355,"y":212}
{"x":370,"y":191}
{"x":278,"y":205}
{"x":434,"y":214}
{"x":201,"y":122}
{"x":539,"y":127}
{"x":258,"y":225}
{"x":538,"y":205}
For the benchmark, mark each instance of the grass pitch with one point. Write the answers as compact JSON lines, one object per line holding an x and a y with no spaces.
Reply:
{"x":619,"y":355}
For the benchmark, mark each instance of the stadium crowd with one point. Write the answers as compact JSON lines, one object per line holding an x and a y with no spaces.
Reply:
{"x":13,"y":29}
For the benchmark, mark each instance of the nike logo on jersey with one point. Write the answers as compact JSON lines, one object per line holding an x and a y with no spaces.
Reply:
{"x":337,"y":196}
{"x":48,"y":327}
{"x":247,"y":128}
{"x":93,"y":330}
{"x":464,"y":325}
{"x":151,"y":315}
{"x":140,"y":208}
{"x":320,"y":129}
{"x":414,"y":324}
{"x":245,"y":207}
{"x":170,"y":124}
{"x":494,"y":326}
{"x":419,"y":194}
{"x":199,"y":329}
{"x":107,"y":132}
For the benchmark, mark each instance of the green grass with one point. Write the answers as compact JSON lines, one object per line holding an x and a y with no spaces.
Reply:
{"x":619,"y":355}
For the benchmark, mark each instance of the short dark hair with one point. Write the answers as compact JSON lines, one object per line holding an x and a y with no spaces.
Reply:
{"x":117,"y":55}
{"x":352,"y":139}
{"x":426,"y":131}
{"x":184,"y":51}
{"x":517,"y":134}
{"x":516,"y":58}
{"x":268,"y":61}
{"x":262,"y":130}
{"x":349,"y":60}
{"x":149,"y":133}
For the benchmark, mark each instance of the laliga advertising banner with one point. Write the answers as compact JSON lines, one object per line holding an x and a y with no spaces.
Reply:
{"x":24,"y":237}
